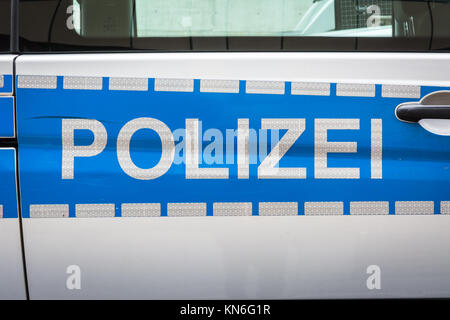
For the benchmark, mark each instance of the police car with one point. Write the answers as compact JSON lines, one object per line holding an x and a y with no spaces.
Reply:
{"x":224,"y":149}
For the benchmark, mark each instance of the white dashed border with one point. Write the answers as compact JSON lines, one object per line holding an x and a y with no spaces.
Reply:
{"x":230,"y":209}
{"x":220,"y":86}
{"x":200,"y":209}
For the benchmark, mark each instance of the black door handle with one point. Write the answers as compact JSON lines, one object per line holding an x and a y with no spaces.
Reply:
{"x":432,"y":112}
{"x":414,"y":112}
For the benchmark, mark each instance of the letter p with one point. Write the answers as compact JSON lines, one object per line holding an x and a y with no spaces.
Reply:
{"x":70,"y":150}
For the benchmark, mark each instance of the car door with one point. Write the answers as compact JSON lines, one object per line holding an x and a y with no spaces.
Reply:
{"x":229,"y":149}
{"x":12,"y":279}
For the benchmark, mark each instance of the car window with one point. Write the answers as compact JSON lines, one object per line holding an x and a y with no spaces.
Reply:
{"x":259,"y":17}
{"x":235,"y":25}
{"x":5,"y":25}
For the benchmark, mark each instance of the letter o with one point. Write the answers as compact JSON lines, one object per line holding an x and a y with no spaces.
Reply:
{"x":123,"y":148}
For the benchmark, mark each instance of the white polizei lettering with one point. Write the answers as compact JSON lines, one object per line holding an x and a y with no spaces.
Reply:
{"x":123,"y":148}
{"x":376,"y":150}
{"x":250,"y":146}
{"x":192,"y":156}
{"x":267,"y":168}
{"x":229,"y":148}
{"x":243,"y":153}
{"x":322,"y":147}
{"x":179,"y":138}
{"x":70,"y":150}
{"x":213,"y":152}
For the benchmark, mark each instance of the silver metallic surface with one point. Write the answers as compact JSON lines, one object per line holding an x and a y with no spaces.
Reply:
{"x":239,"y":257}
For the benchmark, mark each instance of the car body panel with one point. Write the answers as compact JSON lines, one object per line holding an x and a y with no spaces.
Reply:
{"x":246,"y":256}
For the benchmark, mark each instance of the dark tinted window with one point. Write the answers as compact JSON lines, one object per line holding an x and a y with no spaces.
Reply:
{"x":234,"y":25}
{"x":5,"y":25}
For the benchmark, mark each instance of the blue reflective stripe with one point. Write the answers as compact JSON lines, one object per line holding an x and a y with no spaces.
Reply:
{"x":7,"y":117}
{"x":415,"y":162}
{"x":8,"y":194}
{"x":7,"y":84}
